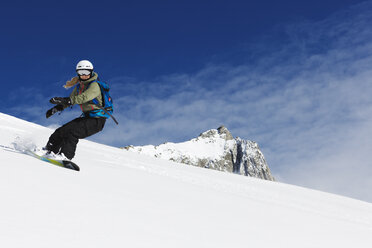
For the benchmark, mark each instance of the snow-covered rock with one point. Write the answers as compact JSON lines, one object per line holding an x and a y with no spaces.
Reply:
{"x":215,"y":149}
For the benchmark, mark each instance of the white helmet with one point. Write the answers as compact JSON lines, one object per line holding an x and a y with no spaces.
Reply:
{"x":84,"y":65}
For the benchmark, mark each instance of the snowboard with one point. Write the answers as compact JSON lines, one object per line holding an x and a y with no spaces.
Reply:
{"x":29,"y":151}
{"x":62,"y":163}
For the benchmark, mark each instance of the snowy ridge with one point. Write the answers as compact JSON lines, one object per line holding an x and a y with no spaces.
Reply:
{"x":125,"y":199}
{"x":215,"y":149}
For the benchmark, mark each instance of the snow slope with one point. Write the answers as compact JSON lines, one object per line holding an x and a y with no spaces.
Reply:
{"x":123,"y":199}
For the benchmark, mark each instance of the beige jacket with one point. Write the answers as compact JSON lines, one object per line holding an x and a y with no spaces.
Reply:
{"x":87,"y":92}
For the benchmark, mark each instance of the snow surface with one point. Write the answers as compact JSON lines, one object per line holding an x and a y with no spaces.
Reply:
{"x":123,"y":199}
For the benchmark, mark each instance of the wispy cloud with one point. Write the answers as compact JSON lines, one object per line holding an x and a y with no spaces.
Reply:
{"x":308,"y":104}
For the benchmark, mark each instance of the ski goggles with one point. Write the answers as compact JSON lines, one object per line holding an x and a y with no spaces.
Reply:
{"x":84,"y":72}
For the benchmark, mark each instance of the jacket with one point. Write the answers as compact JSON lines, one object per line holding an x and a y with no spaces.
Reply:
{"x":86,"y":93}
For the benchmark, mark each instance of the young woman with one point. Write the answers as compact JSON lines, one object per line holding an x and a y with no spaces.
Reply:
{"x":64,"y":140}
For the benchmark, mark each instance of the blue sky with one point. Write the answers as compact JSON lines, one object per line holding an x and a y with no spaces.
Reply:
{"x":293,"y":76}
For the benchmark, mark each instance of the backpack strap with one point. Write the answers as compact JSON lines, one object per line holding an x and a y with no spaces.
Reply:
{"x":102,"y":108}
{"x":95,"y":102}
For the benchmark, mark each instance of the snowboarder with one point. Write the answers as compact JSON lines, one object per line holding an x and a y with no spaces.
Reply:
{"x":64,"y":140}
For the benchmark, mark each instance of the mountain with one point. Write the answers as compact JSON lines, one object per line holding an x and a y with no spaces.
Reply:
{"x":215,"y":149}
{"x":124,"y":199}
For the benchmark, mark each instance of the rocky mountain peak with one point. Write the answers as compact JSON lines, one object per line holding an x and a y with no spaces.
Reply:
{"x":221,"y":132}
{"x":225,"y":133}
{"x":214,"y":149}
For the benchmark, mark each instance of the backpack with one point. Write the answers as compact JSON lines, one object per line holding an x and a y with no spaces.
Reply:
{"x":107,"y":107}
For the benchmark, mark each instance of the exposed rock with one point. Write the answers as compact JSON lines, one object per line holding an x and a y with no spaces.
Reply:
{"x":224,"y":133}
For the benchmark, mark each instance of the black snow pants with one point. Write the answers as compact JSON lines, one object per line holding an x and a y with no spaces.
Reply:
{"x":65,"y":138}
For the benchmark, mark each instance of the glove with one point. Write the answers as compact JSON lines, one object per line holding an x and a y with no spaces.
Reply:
{"x":66,"y":101}
{"x":54,"y":110}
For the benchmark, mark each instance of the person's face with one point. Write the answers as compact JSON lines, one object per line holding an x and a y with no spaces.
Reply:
{"x":84,"y":77}
{"x":84,"y":74}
